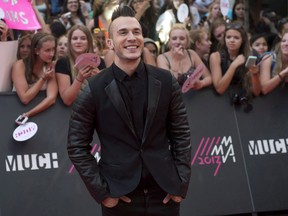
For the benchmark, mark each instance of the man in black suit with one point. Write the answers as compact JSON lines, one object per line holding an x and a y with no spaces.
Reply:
{"x":141,"y":121}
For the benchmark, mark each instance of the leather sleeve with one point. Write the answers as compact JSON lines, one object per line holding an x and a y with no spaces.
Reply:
{"x":80,"y":135}
{"x":179,"y":134}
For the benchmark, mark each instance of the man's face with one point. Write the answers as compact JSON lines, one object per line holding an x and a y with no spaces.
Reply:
{"x":126,"y":38}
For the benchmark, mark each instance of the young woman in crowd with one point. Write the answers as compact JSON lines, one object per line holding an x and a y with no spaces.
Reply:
{"x":152,"y":47}
{"x":180,"y":60}
{"x":227,"y":65}
{"x":201,"y":44}
{"x":68,"y":77}
{"x":73,"y":14}
{"x":24,"y":46}
{"x":238,"y":15}
{"x":35,"y":73}
{"x":271,"y":77}
{"x":62,"y":48}
{"x":213,"y":14}
{"x":217,"y":31}
{"x":4,"y":30}
{"x":259,"y":45}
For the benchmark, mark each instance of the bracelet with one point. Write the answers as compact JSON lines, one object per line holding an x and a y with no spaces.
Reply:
{"x":81,"y":81}
{"x":44,"y":79}
{"x":281,"y":78}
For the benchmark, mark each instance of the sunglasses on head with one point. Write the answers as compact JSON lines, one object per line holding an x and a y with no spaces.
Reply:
{"x":283,"y":21}
{"x":235,"y":25}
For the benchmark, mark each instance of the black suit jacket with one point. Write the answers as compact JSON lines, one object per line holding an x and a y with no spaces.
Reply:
{"x":165,"y":147}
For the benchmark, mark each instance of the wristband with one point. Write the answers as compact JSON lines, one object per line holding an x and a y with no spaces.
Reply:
{"x":281,"y":78}
{"x":81,"y":81}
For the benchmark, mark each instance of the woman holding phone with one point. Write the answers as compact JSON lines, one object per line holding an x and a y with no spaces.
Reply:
{"x":227,"y":65}
{"x":69,"y":78}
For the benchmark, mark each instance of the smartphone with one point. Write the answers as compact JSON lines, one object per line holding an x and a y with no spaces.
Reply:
{"x":68,"y":14}
{"x":21,"y":120}
{"x":251,"y":60}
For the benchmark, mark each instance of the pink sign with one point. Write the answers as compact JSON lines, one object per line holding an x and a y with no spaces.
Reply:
{"x":19,"y":14}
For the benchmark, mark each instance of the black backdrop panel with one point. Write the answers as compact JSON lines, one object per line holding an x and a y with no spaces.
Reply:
{"x":265,"y":143}
{"x":37,"y":177}
{"x":222,"y":187}
{"x":32,"y":191}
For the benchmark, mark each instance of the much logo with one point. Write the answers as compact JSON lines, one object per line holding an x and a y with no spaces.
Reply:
{"x":31,"y":162}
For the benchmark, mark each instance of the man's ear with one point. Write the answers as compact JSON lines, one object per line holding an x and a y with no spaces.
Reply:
{"x":110,"y":44}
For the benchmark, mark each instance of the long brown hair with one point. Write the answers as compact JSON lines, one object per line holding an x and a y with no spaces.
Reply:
{"x":70,"y":52}
{"x":36,"y":43}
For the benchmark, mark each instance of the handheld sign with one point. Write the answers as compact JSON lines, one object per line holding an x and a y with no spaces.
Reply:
{"x":84,"y":59}
{"x":182,"y":12}
{"x":25,"y":131}
{"x":19,"y":15}
{"x":193,"y":78}
{"x":224,"y":7}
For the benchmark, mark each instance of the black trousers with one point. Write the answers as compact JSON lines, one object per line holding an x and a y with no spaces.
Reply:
{"x":145,"y":201}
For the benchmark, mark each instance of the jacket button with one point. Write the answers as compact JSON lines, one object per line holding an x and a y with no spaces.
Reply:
{"x":145,"y":191}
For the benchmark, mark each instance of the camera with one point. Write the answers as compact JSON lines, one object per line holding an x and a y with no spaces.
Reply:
{"x":21,"y":120}
{"x":240,"y":100}
{"x":67,"y":15}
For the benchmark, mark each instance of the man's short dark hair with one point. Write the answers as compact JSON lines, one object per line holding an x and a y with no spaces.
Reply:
{"x":121,"y":11}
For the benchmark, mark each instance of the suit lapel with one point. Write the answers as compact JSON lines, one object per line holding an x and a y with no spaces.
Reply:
{"x":154,"y":89}
{"x":115,"y":97}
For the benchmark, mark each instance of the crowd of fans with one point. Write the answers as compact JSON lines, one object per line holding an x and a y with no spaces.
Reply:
{"x":71,"y":27}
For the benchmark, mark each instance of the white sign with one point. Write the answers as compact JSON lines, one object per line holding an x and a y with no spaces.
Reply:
{"x":182,"y":12}
{"x":224,"y":7}
{"x":25,"y":131}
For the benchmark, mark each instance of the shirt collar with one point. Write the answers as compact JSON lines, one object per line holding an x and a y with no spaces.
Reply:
{"x":120,"y":75}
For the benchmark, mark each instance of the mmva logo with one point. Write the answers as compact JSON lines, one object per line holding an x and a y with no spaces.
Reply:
{"x":95,"y":150}
{"x":271,"y":146}
{"x":31,"y":162}
{"x":214,"y":152}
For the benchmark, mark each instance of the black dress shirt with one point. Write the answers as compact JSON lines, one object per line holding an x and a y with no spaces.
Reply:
{"x":134,"y":91}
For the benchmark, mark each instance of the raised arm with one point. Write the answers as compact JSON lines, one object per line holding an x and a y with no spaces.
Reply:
{"x":49,"y":100}
{"x":206,"y":77}
{"x":24,"y":92}
{"x":44,"y":27}
{"x":222,"y":82}
{"x":269,"y":83}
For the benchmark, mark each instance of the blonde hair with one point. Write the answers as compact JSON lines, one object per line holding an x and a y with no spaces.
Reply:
{"x":211,"y":6}
{"x":197,"y":36}
{"x":180,"y":26}
{"x":279,"y":60}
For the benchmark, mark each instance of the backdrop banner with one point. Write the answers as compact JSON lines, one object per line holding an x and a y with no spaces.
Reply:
{"x":238,"y":159}
{"x":8,"y":58}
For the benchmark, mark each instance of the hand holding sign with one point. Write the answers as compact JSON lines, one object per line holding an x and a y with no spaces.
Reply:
{"x":85,"y":59}
{"x":25,"y":130}
{"x":224,"y":7}
{"x":182,"y":12}
{"x":193,"y":78}
{"x":19,"y":15}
